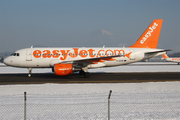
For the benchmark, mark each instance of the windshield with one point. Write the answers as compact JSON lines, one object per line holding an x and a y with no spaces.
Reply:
{"x":15,"y":54}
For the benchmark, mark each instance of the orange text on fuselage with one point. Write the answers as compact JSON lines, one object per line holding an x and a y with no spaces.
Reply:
{"x":63,"y":54}
{"x":178,"y":59}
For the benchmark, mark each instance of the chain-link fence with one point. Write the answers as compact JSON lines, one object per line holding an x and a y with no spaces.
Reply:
{"x":90,"y":106}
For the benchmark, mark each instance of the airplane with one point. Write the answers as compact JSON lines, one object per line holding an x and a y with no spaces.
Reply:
{"x":165,"y":57}
{"x":65,"y":61}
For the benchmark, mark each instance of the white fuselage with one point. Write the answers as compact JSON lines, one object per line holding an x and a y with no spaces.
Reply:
{"x":172,"y":59}
{"x":47,"y":57}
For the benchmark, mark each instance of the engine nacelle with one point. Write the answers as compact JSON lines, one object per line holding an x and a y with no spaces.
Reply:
{"x":63,"y":69}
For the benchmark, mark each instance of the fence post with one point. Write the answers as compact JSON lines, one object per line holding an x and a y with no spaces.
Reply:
{"x":109,"y":104}
{"x":25,"y":105}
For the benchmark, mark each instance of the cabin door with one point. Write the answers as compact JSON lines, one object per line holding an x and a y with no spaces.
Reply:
{"x":28,"y":55}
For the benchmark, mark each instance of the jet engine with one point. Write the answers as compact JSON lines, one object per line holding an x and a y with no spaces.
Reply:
{"x":63,"y":69}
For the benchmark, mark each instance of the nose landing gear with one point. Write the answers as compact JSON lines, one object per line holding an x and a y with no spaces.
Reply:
{"x":30,"y":71}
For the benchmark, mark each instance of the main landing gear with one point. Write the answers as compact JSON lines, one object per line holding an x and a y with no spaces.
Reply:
{"x":30,"y":71}
{"x":86,"y":74}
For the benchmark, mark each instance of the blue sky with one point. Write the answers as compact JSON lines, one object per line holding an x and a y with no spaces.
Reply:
{"x":85,"y":23}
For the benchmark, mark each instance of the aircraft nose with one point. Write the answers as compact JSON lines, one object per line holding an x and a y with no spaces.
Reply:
{"x":6,"y":61}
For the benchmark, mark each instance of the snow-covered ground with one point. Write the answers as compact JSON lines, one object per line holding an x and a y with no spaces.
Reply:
{"x":121,"y":88}
{"x":153,"y":100}
{"x":158,"y":101}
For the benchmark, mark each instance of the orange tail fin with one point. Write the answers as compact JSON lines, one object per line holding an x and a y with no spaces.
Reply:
{"x":165,"y":56}
{"x":149,"y":39}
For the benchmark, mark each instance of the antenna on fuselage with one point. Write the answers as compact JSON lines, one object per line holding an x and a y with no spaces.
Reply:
{"x":32,"y":46}
{"x":104,"y":46}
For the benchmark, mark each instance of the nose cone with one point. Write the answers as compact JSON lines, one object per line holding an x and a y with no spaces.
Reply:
{"x":7,"y":61}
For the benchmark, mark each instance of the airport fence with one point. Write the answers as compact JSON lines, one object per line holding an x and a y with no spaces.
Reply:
{"x":90,"y":106}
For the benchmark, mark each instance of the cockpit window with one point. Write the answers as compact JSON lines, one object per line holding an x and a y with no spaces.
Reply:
{"x":12,"y":54}
{"x":15,"y":54}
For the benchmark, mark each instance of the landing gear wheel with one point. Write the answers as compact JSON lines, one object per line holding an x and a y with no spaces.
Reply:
{"x":87,"y":75}
{"x":178,"y":63}
{"x":81,"y":72}
{"x":29,"y":75}
{"x":30,"y":71}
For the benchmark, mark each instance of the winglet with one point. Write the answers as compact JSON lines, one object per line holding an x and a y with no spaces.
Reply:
{"x":149,"y":39}
{"x":165,"y":56}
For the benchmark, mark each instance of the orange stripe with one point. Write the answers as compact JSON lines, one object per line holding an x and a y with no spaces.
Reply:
{"x":109,"y":59}
{"x":128,"y":55}
{"x":94,"y":63}
{"x":100,"y":60}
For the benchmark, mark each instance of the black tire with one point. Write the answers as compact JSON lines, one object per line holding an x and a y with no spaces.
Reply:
{"x":87,"y":75}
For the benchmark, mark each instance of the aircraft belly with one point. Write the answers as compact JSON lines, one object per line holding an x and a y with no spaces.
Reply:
{"x":116,"y":63}
{"x":96,"y":65}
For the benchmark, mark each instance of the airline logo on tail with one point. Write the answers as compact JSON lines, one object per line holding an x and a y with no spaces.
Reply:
{"x":150,"y":37}
{"x":148,"y":34}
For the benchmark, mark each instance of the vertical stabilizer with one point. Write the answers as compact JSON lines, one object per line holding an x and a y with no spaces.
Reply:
{"x":149,"y":39}
{"x":165,"y":56}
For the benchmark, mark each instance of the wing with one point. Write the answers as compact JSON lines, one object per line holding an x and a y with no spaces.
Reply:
{"x":83,"y":62}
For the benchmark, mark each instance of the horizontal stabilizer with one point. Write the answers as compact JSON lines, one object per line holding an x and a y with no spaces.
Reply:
{"x":158,"y":51}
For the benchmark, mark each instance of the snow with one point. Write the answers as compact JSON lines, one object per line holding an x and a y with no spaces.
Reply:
{"x":159,"y":100}
{"x":152,"y":100}
{"x":133,"y":88}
